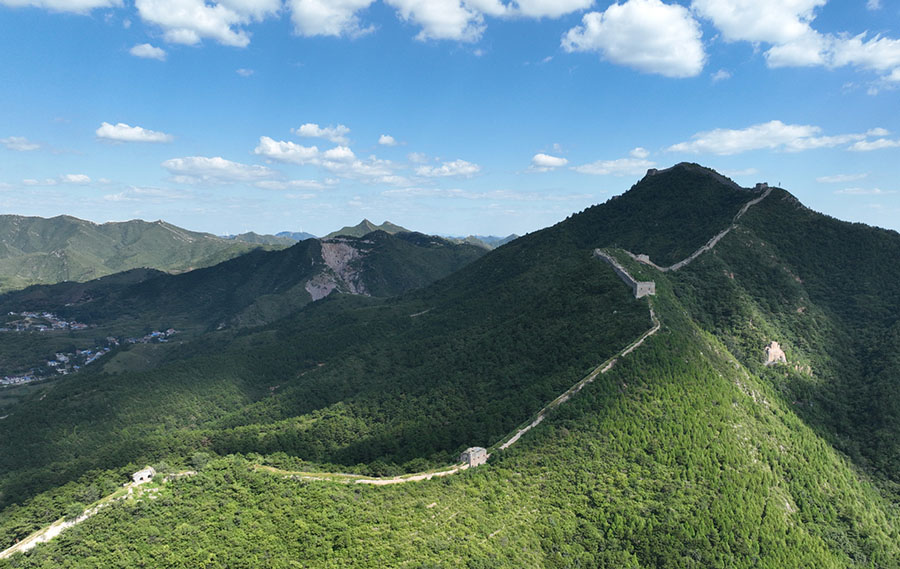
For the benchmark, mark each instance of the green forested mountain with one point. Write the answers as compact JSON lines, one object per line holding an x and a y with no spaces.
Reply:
{"x":35,"y":250}
{"x":688,"y":452}
{"x":365,"y":227}
{"x":254,"y":288}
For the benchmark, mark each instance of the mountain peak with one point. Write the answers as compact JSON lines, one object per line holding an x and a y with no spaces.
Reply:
{"x":365,"y":227}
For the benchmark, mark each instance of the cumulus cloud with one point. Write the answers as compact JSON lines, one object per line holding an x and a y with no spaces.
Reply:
{"x":620,"y":167}
{"x":207,"y":170}
{"x":544,"y":162}
{"x":772,"y":21}
{"x":496,"y":195}
{"x":244,"y":72}
{"x":771,"y":135}
{"x":328,"y":17}
{"x":340,"y":161}
{"x":148,"y":51}
{"x":286,"y":151}
{"x":878,"y":144}
{"x":551,"y":8}
{"x":191,"y":21}
{"x":76,"y":6}
{"x":19,"y":143}
{"x":441,"y":19}
{"x":447,"y":169}
{"x":639,"y":152}
{"x":122,"y":132}
{"x":336,"y":134}
{"x":873,"y":4}
{"x":787,"y":26}
{"x":840,"y":178}
{"x":387,"y":140}
{"x":647,"y":35}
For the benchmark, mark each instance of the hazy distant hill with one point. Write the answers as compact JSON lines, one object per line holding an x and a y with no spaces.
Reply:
{"x":295,"y":235}
{"x":365,"y":227}
{"x":486,"y":241}
{"x":38,"y":250}
{"x":256,"y":238}
{"x":689,"y":452}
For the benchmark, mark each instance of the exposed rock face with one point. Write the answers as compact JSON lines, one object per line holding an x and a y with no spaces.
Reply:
{"x":341,"y":274}
{"x":774,"y":354}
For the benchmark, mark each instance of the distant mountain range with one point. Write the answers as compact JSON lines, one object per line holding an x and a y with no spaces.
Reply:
{"x":35,"y":250}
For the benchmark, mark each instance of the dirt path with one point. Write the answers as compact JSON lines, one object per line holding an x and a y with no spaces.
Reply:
{"x":708,"y":245}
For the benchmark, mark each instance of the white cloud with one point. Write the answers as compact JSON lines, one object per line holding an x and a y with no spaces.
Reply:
{"x":75,"y":179}
{"x":124,"y":133}
{"x":865,"y":192}
{"x":387,"y":140}
{"x":338,"y":154}
{"x":878,"y":144}
{"x":721,"y":75}
{"x":45,"y":182}
{"x":771,"y":135}
{"x":455,"y":168}
{"x":644,"y":34}
{"x":19,"y":143}
{"x":151,"y":195}
{"x":148,"y":51}
{"x":496,"y":195}
{"x":417,"y":157}
{"x":639,"y":152}
{"x":328,"y":17}
{"x":772,"y":21}
{"x":551,"y":8}
{"x":840,"y":178}
{"x":336,"y":134}
{"x":619,"y":167}
{"x":340,"y":161}
{"x":873,"y":4}
{"x":76,"y":6}
{"x":545,"y":162}
{"x":442,"y":19}
{"x":285,"y":151}
{"x":190,"y":21}
{"x":244,"y":72}
{"x":206,"y":170}
{"x":289,"y":185}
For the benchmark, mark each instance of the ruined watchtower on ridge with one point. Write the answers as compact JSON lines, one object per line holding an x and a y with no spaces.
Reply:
{"x":640,"y":288}
{"x":473,"y":456}
{"x":144,"y":475}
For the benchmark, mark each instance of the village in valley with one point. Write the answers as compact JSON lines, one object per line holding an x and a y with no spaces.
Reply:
{"x":64,"y":363}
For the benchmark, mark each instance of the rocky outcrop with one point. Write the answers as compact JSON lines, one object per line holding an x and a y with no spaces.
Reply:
{"x":774,"y":354}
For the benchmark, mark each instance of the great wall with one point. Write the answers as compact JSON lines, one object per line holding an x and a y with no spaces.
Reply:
{"x":639,"y":288}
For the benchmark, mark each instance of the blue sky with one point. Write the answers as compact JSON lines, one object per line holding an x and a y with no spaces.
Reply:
{"x":445,"y":116}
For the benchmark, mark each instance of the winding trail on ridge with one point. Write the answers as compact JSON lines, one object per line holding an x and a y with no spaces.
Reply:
{"x":511,"y":439}
{"x":708,"y":245}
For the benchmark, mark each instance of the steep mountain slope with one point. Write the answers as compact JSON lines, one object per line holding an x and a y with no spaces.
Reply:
{"x":36,"y":250}
{"x":689,"y":452}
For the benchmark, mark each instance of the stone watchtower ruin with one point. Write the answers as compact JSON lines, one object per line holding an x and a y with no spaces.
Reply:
{"x":640,"y":288}
{"x":473,"y":456}
{"x":145,"y":475}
